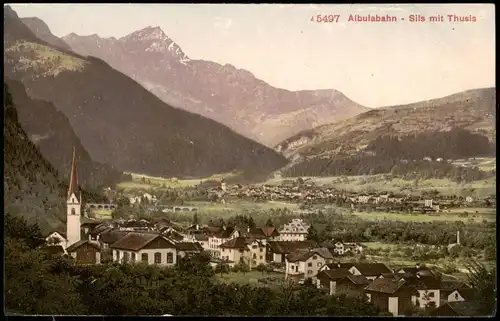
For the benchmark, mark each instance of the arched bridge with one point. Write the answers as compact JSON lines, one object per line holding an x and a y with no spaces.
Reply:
{"x":178,"y":208}
{"x":100,"y":206}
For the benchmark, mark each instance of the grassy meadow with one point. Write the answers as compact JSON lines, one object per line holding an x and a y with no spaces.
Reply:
{"x":386,"y":183}
{"x":151,"y":182}
{"x":488,"y":214}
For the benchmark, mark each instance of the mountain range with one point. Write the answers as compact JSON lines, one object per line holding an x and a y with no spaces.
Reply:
{"x":472,"y":110}
{"x":231,"y":96}
{"x":118,"y":121}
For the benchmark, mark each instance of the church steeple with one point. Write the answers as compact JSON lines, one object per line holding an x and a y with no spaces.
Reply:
{"x":73,"y":207}
{"x":73,"y":181}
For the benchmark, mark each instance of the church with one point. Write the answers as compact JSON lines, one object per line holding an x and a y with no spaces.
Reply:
{"x":83,"y":250}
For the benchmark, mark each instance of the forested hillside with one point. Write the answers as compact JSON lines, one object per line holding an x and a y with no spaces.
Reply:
{"x":52,"y":133}
{"x":32,"y":186}
{"x":121,"y":123}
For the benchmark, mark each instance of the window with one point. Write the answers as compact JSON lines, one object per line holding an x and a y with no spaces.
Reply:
{"x":170,"y":258}
{"x":144,"y":257}
{"x":309,"y":264}
{"x":125,"y":257}
{"x":431,"y":294}
{"x":133,"y":257}
{"x":309,"y":272}
{"x":157,"y":258}
{"x":117,"y":254}
{"x":261,"y":249}
{"x":261,"y":257}
{"x":315,"y":257}
{"x":456,"y":296}
{"x":254,"y":256}
{"x":73,"y":212}
{"x":319,"y":264}
{"x":254,"y":246}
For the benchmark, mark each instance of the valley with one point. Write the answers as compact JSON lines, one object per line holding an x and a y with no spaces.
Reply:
{"x":165,"y":184}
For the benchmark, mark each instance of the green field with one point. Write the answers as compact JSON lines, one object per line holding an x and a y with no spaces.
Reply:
{"x":102,"y":214}
{"x":483,"y":163}
{"x":386,"y":183}
{"x":251,"y":277}
{"x":152,"y":182}
{"x":483,"y":214}
{"x":208,"y":210}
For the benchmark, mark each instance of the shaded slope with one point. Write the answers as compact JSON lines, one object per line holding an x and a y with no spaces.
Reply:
{"x":32,"y":188}
{"x":121,"y":123}
{"x":51,"y":132}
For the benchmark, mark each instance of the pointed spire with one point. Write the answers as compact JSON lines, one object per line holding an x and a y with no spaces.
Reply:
{"x":73,"y":181}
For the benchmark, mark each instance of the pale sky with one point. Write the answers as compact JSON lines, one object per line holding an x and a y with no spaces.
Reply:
{"x":375,"y":64}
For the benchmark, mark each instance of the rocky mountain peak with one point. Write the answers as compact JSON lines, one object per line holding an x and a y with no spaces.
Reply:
{"x":147,"y":34}
{"x":155,"y":40}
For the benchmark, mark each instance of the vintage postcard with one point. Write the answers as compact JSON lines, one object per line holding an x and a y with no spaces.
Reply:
{"x":250,"y":159}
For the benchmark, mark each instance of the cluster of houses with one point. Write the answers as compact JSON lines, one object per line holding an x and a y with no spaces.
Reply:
{"x":163,"y":243}
{"x":364,"y":201}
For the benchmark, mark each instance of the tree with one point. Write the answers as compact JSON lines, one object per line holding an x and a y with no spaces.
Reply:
{"x":329,"y":229}
{"x":269,"y":222}
{"x":483,"y":281}
{"x":262,"y":268}
{"x":195,"y":219}
{"x":222,"y":268}
{"x":251,"y":222}
{"x":312,"y":234}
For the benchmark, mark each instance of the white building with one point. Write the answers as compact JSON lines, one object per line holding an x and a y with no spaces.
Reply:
{"x":294,"y":231}
{"x":220,"y":237}
{"x":73,"y":207}
{"x":150,"y":248}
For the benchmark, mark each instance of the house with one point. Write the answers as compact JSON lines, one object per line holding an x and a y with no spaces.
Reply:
{"x":202,"y":239}
{"x":428,"y":290}
{"x":150,"y":248}
{"x":85,"y":252}
{"x":456,"y":309}
{"x":111,"y":236}
{"x":265,"y":233}
{"x":242,"y":249}
{"x":469,"y":199}
{"x":188,"y":248}
{"x":223,"y":235}
{"x":460,"y":295}
{"x":340,"y":280}
{"x":307,"y":263}
{"x":354,"y":248}
{"x":57,"y":238}
{"x":89,"y":225}
{"x":370,"y":270}
{"x":95,"y":233}
{"x":390,"y":295}
{"x":448,"y":285}
{"x":294,"y":231}
{"x":276,"y":251}
{"x":350,"y":285}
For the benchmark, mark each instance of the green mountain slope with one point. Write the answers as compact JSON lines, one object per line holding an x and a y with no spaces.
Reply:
{"x":51,"y":132}
{"x":32,"y":186}
{"x":121,"y":123}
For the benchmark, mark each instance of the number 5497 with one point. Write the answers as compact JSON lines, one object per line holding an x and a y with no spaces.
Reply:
{"x":326,"y":18}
